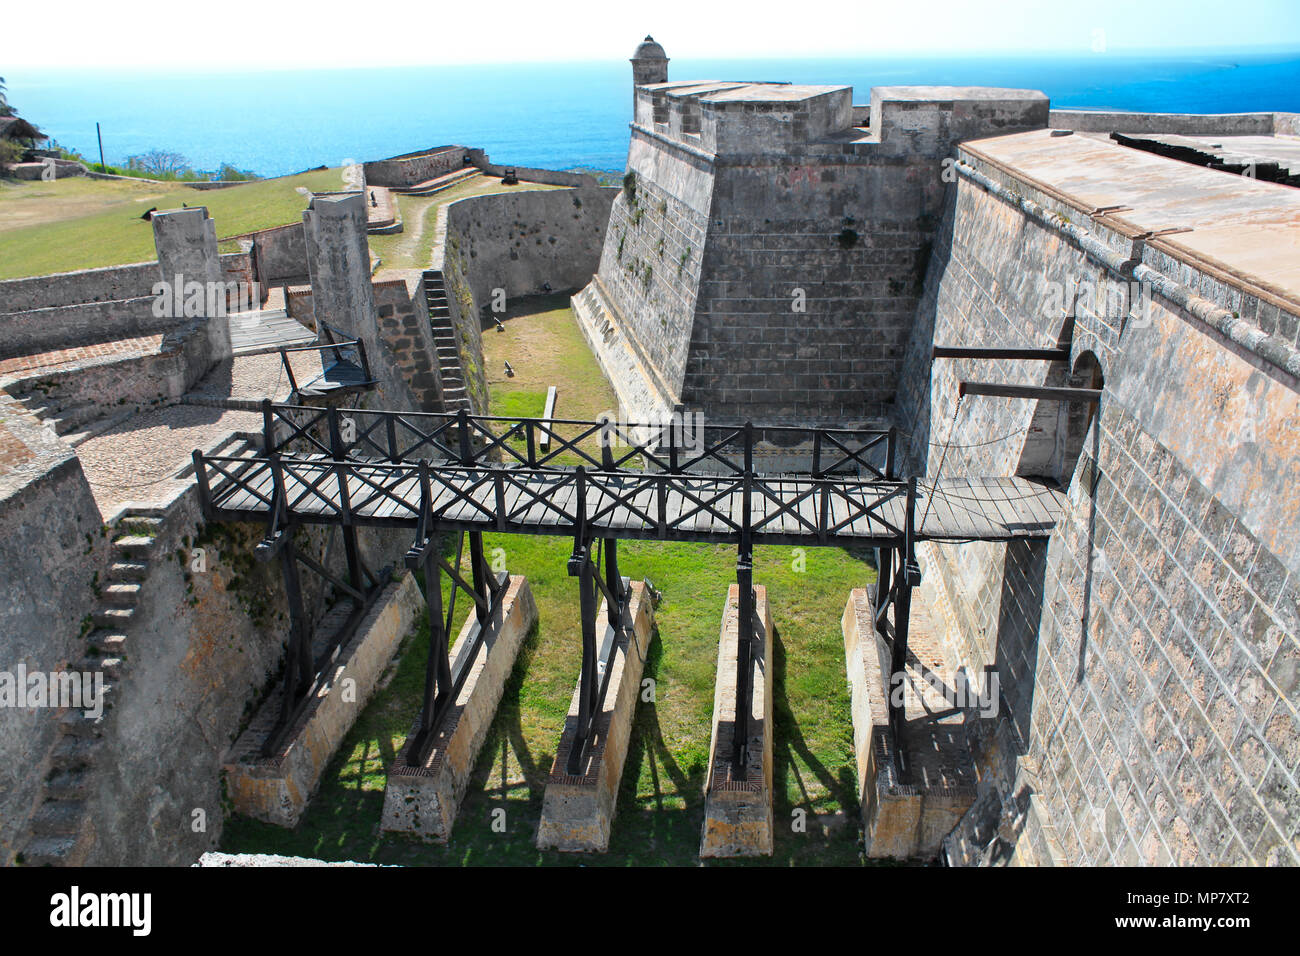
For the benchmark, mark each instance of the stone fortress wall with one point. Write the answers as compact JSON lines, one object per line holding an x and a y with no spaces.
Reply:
{"x":760,"y":229}
{"x":521,"y":243}
{"x":203,"y":646}
{"x":1147,"y":653}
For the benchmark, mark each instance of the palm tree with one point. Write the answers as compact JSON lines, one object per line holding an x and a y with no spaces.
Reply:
{"x":5,"y":108}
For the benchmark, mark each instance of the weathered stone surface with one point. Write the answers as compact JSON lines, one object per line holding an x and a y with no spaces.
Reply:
{"x":277,"y":788}
{"x":904,"y":820}
{"x":760,"y":239}
{"x":578,"y":811}
{"x":1147,"y":653}
{"x":738,"y":812}
{"x":424,"y":800}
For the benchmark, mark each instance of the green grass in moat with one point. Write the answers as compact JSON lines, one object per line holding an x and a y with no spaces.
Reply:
{"x":660,"y":807}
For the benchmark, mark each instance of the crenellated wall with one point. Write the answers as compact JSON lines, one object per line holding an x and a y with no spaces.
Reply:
{"x":761,"y":238}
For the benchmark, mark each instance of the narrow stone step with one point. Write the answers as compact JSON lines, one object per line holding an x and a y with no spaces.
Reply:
{"x":134,"y":546}
{"x":72,"y":753}
{"x":72,"y":417}
{"x":128,"y":571}
{"x":68,"y":784}
{"x":109,"y":642}
{"x":113,"y":618}
{"x":49,"y":851}
{"x":58,"y":818}
{"x":124,"y":594}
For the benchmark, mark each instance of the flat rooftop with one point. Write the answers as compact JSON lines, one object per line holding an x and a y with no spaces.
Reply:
{"x":771,"y":93}
{"x":1251,"y":228}
{"x":742,"y":91}
{"x":1243,"y":148}
{"x":943,"y":94}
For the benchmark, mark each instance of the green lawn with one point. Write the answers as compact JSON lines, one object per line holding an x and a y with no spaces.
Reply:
{"x":81,"y":223}
{"x":660,"y":807}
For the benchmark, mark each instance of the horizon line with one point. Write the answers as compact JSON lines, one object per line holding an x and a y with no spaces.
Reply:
{"x":1164,"y":52}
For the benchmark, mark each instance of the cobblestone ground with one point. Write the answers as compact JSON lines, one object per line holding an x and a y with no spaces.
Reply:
{"x":139,"y":460}
{"x":254,"y":377}
{"x":55,"y":358}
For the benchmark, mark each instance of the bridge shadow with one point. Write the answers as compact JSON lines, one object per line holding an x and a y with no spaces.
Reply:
{"x":648,"y":752}
{"x":789,"y":743}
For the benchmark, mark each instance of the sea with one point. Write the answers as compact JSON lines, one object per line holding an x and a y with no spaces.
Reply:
{"x":557,"y":115}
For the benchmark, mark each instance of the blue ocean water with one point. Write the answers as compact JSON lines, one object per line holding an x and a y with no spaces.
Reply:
{"x":555,"y":115}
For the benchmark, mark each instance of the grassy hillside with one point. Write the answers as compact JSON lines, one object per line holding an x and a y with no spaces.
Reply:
{"x":81,"y":223}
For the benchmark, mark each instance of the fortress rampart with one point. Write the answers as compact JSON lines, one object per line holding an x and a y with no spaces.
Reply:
{"x":760,"y":238}
{"x":1147,"y":653}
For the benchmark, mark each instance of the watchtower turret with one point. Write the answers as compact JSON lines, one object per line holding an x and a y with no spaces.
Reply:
{"x":649,"y":64}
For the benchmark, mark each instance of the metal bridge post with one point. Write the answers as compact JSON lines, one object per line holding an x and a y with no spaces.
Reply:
{"x":884,"y":569}
{"x":744,"y":619}
{"x":350,"y":545}
{"x":298,"y":663}
{"x":588,"y":686}
{"x":479,"y":569}
{"x":466,"y":449}
{"x":613,"y":584}
{"x":437,"y":671}
{"x":268,"y":427}
{"x":908,"y":576}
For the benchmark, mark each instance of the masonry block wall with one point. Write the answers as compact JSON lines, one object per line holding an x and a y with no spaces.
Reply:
{"x":765,"y":257}
{"x":413,"y":168}
{"x":204,"y":651}
{"x":52,"y":543}
{"x":404,"y":328}
{"x":518,"y":242}
{"x":1148,"y":653}
{"x":73,"y":288}
{"x":522,"y":241}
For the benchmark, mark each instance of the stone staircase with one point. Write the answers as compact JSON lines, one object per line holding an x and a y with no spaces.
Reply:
{"x":69,"y":418}
{"x":455,"y":396}
{"x":60,"y":830}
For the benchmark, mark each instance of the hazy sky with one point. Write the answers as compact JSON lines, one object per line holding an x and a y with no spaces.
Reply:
{"x":331,"y":33}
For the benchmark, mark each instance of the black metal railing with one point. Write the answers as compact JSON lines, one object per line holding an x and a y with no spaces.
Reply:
{"x":672,"y":447}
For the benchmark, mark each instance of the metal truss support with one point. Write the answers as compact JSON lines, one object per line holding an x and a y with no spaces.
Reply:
{"x":443,"y":678}
{"x":897,"y":573}
{"x":745,"y":623}
{"x":304,"y":670}
{"x":585,"y":564}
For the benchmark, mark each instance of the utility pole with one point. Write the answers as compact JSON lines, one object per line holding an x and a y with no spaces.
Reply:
{"x":100,"y":137}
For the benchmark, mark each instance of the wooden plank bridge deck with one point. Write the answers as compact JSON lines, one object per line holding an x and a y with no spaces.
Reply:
{"x":783,"y":509}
